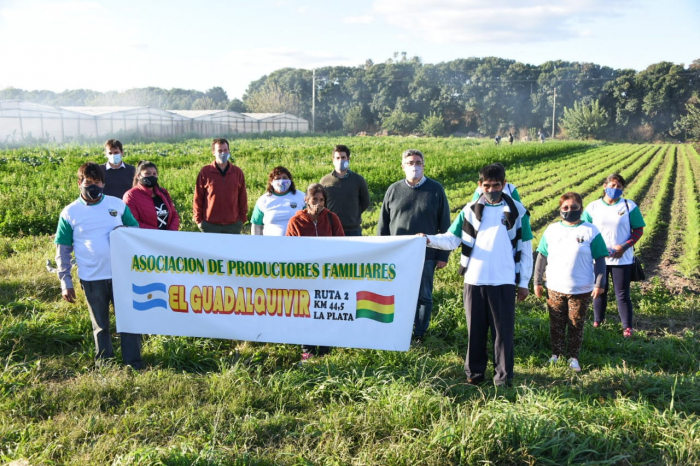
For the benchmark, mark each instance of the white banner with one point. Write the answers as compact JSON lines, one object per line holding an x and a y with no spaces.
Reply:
{"x":358,"y":292}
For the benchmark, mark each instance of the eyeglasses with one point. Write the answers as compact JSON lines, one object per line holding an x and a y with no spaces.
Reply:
{"x":416,"y":163}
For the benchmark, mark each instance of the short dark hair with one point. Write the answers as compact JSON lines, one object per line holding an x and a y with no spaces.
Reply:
{"x":615,"y":177}
{"x":143,"y":164}
{"x":219,"y":141}
{"x":90,"y":171}
{"x":341,"y":148}
{"x":493,"y":172}
{"x":277,"y":171}
{"x":316,"y":188}
{"x":114,"y":144}
{"x":571,"y":195}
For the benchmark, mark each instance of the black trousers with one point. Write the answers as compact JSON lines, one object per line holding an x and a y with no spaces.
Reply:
{"x":621,"y":279}
{"x":490,"y":308}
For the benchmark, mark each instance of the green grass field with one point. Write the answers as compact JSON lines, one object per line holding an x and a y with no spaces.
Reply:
{"x":205,"y":401}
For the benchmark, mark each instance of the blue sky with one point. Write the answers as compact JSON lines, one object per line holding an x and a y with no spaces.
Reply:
{"x":117,"y":45}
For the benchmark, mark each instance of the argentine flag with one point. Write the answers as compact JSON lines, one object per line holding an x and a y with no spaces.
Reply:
{"x":149,"y":296}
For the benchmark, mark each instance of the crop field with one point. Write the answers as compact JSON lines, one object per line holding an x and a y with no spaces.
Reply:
{"x":207,"y":401}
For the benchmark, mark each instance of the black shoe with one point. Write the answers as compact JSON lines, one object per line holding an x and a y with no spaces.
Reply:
{"x":478,"y":380}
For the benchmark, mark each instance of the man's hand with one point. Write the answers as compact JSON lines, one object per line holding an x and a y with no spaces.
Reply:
{"x":539,"y":291}
{"x":69,"y":295}
{"x":597,"y":292}
{"x":441,"y":265}
{"x":427,"y":241}
{"x":522,"y":293}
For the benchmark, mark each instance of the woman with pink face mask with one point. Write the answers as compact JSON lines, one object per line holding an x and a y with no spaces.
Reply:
{"x":277,"y":206}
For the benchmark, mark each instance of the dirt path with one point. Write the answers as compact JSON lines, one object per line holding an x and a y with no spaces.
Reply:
{"x":661,"y":256}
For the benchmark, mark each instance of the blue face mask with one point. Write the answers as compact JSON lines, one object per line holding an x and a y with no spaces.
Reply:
{"x":613,"y":193}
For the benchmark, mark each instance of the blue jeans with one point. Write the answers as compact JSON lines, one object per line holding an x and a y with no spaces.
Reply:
{"x":425,"y":299}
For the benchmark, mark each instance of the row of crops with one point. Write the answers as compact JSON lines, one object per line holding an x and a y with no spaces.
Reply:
{"x":37,"y":182}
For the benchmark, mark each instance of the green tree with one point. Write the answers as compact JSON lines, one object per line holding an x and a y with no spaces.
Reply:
{"x":236,"y":105}
{"x":354,"y":121}
{"x":432,"y":125}
{"x":204,"y":103}
{"x":272,"y":98}
{"x":689,"y":124}
{"x":399,"y":121}
{"x":585,"y":120}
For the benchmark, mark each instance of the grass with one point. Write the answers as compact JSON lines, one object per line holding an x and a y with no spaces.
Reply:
{"x":206,"y":401}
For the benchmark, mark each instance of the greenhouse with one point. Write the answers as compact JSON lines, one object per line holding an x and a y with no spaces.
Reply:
{"x":22,"y":122}
{"x":279,"y":122}
{"x":149,"y":121}
{"x":26,"y":121}
{"x":215,"y":122}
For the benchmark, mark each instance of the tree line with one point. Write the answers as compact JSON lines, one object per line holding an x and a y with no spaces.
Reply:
{"x":485,"y":96}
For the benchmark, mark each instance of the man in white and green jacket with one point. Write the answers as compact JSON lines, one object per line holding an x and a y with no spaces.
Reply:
{"x":83,"y":228}
{"x":495,"y":235}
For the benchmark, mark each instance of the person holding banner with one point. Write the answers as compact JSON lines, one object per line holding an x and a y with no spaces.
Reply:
{"x":151,"y":204}
{"x":509,"y":189}
{"x":220,"y":203}
{"x":417,"y":204}
{"x":315,"y":220}
{"x":275,"y":208}
{"x":83,"y":228}
{"x":496,"y":238}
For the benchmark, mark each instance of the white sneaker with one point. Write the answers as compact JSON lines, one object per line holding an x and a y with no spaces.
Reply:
{"x":554,"y":359}
{"x":574,"y":365}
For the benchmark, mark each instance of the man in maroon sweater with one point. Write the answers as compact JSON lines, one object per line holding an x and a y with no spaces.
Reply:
{"x":220,"y":202}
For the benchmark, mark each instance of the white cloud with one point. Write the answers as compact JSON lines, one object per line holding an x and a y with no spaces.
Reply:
{"x":364,"y":19}
{"x":496,"y":21}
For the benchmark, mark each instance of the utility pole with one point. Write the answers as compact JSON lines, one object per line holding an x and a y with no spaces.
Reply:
{"x":554,"y":112}
{"x":313,"y":101}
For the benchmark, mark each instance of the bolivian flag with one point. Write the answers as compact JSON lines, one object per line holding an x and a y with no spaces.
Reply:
{"x":375,"y":306}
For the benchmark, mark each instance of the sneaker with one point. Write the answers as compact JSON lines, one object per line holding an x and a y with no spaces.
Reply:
{"x":596,"y":324}
{"x":553,"y":359}
{"x":628,"y":332}
{"x":306,"y":357}
{"x":574,"y":365}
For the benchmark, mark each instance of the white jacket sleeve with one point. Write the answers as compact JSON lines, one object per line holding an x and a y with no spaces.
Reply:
{"x":446,"y":241}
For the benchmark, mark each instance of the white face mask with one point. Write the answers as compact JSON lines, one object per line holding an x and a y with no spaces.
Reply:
{"x":281,"y":186}
{"x":222,"y":158}
{"x":114,"y":159}
{"x":341,"y":165}
{"x":413,"y":172}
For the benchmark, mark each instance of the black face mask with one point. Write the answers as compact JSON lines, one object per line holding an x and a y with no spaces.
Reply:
{"x":148,"y":181}
{"x":91,"y":192}
{"x":571,"y":216}
{"x":493,"y":197}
